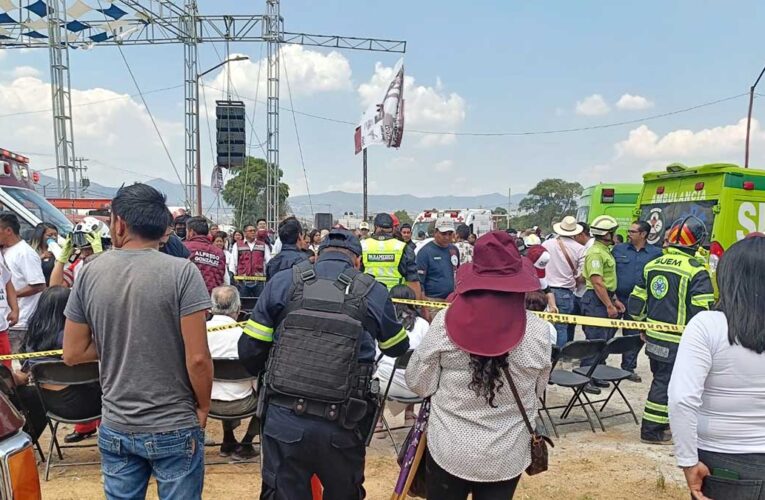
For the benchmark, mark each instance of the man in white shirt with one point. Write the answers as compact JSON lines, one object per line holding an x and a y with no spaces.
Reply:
{"x":26,"y":274}
{"x":562,"y":271}
{"x":231,"y":397}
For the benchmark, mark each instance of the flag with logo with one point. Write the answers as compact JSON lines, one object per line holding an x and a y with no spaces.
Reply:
{"x":382,"y":123}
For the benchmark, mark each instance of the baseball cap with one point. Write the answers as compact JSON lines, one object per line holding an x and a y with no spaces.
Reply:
{"x":444,"y":225}
{"x":364,"y":225}
{"x":384,"y":220}
{"x":341,"y":238}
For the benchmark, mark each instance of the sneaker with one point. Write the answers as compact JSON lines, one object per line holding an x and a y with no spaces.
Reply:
{"x":634,"y":377}
{"x":246,"y":452}
{"x":664,"y":439}
{"x":76,"y":437}
{"x":227,"y":449}
{"x":591,"y":389}
{"x":600,"y":383}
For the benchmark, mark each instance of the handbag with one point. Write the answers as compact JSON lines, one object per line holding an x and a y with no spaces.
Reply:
{"x":539,"y":455}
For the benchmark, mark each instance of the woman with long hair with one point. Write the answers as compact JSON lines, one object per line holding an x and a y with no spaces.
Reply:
{"x":42,"y":233}
{"x":236,"y":237}
{"x":314,"y":240}
{"x":45,"y":332}
{"x":717,"y":389}
{"x":416,"y":328}
{"x":477,"y":440}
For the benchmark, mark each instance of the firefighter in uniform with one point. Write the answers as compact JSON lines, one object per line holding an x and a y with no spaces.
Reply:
{"x":599,"y":300}
{"x":313,"y":334}
{"x":389,"y":260}
{"x":674,"y":288}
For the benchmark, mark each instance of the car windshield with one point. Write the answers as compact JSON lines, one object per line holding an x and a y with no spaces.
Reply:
{"x":41,"y":208}
{"x":583,"y":213}
{"x":425,"y":227}
{"x":661,"y":216}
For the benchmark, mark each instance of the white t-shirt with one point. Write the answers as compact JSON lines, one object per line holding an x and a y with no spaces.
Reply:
{"x":385,"y":366}
{"x":5,"y":277}
{"x":26,"y":269}
{"x":717,"y":392}
{"x":223,"y":344}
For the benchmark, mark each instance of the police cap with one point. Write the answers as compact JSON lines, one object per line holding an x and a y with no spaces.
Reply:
{"x":384,"y":221}
{"x":341,"y":238}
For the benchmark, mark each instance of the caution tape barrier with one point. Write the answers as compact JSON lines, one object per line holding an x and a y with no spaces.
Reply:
{"x":570,"y":318}
{"x":250,"y":278}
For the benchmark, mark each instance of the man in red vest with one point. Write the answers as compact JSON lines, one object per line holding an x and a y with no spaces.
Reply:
{"x":209,"y":259}
{"x":249,"y":258}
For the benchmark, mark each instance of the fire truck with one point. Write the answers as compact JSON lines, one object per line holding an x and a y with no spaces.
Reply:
{"x":18,"y":195}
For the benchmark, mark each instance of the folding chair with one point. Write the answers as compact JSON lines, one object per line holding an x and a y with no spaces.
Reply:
{"x":574,"y":350}
{"x":9,"y":388}
{"x":230,"y":370}
{"x":58,"y":373}
{"x":400,"y":364}
{"x":617,"y":345}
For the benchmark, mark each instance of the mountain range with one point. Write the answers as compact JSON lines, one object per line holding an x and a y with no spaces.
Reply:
{"x":335,"y":202}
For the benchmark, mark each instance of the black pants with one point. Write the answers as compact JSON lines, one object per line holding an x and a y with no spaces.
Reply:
{"x":75,"y":402}
{"x":444,"y":486}
{"x":294,"y":448}
{"x":750,"y":468}
{"x":28,"y":402}
{"x":656,"y":413}
{"x":594,"y":308}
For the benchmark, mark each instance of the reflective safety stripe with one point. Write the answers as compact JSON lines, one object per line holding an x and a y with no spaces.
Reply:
{"x":667,"y":337}
{"x":394,"y":340}
{"x":655,"y":418}
{"x":656,"y":406}
{"x":381,"y":259}
{"x":670,"y":269}
{"x":258,"y":331}
{"x":703,"y":300}
{"x":640,"y":293}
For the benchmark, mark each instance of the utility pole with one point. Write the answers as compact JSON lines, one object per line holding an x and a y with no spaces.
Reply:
{"x":84,"y":182}
{"x":749,"y":117}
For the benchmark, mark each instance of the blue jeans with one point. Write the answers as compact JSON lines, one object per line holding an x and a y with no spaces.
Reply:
{"x":176,"y":459}
{"x":564,"y":299}
{"x":594,"y":308}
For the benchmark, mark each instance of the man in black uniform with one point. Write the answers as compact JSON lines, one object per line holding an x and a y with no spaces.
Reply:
{"x":674,"y":288}
{"x":314,"y":331}
{"x":290,"y":231}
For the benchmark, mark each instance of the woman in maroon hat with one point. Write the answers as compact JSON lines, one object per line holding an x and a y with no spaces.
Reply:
{"x":477,"y":440}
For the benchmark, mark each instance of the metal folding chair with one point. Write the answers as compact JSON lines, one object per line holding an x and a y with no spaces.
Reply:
{"x":58,"y":373}
{"x":575,"y":350}
{"x":400,"y":364}
{"x":230,"y":370}
{"x":617,"y":345}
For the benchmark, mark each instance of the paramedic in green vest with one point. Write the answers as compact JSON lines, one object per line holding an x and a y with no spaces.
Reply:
{"x":674,"y":288}
{"x":388,"y":259}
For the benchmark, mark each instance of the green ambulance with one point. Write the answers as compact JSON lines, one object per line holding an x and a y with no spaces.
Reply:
{"x":728,"y":199}
{"x":617,"y":200}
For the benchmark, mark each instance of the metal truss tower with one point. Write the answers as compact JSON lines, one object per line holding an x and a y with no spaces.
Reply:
{"x":159,"y":22}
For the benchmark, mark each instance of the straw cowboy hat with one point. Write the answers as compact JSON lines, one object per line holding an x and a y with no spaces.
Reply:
{"x":568,"y":227}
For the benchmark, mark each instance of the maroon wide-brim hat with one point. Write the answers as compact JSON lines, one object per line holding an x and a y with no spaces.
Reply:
{"x":487,"y":315}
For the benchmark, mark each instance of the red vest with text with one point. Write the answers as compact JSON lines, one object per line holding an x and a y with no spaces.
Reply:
{"x":209,"y":259}
{"x":251,"y":262}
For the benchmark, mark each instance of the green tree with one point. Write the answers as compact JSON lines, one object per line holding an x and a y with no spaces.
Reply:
{"x":403,"y":217}
{"x":501,"y":221}
{"x":246,"y":192}
{"x":549,"y":201}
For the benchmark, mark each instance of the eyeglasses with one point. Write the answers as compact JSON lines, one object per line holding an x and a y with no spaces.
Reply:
{"x":632,"y":231}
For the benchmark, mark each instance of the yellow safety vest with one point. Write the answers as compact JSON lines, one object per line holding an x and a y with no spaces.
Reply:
{"x":381,"y":259}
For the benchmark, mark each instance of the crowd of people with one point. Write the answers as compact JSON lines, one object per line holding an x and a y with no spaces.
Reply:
{"x":324,"y":334}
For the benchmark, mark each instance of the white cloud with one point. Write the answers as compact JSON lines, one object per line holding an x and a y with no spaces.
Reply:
{"x":353,"y":186}
{"x":593,"y":105}
{"x":24,"y":71}
{"x":108,"y":127}
{"x":633,"y":102}
{"x":723,"y":143}
{"x":443,"y":166}
{"x":310,"y":72}
{"x":427,"y":107}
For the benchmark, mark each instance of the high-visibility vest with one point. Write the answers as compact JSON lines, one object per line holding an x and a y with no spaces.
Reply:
{"x":381,"y":259}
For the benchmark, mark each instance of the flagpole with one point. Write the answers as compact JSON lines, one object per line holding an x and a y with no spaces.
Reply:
{"x":365,"y":185}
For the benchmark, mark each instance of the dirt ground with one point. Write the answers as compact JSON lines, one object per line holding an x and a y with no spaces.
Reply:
{"x":584,"y":465}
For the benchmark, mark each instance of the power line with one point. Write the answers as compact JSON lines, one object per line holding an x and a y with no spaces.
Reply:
{"x":297,"y":135}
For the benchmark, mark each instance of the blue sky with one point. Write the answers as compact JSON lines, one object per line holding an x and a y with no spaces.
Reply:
{"x":477,"y":66}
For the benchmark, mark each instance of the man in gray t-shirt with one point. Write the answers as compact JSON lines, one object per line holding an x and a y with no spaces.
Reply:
{"x":142,"y":314}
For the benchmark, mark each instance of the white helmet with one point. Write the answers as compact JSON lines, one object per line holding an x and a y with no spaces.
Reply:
{"x":89,"y":226}
{"x":602,"y":225}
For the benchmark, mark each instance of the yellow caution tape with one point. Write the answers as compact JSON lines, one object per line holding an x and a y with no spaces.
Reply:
{"x":570,"y":318}
{"x":250,"y":278}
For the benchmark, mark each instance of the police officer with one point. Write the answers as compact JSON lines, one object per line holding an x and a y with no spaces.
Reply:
{"x":314,"y":331}
{"x":599,"y":300}
{"x":674,"y":288}
{"x":388,"y":259}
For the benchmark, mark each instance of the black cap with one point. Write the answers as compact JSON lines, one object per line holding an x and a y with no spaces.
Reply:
{"x":384,"y":220}
{"x":341,"y":238}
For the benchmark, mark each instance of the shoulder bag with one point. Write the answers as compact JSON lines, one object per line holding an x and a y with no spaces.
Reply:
{"x":539,"y":456}
{"x":574,"y":270}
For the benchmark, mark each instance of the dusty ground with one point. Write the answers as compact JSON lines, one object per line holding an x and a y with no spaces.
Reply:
{"x":610,"y":465}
